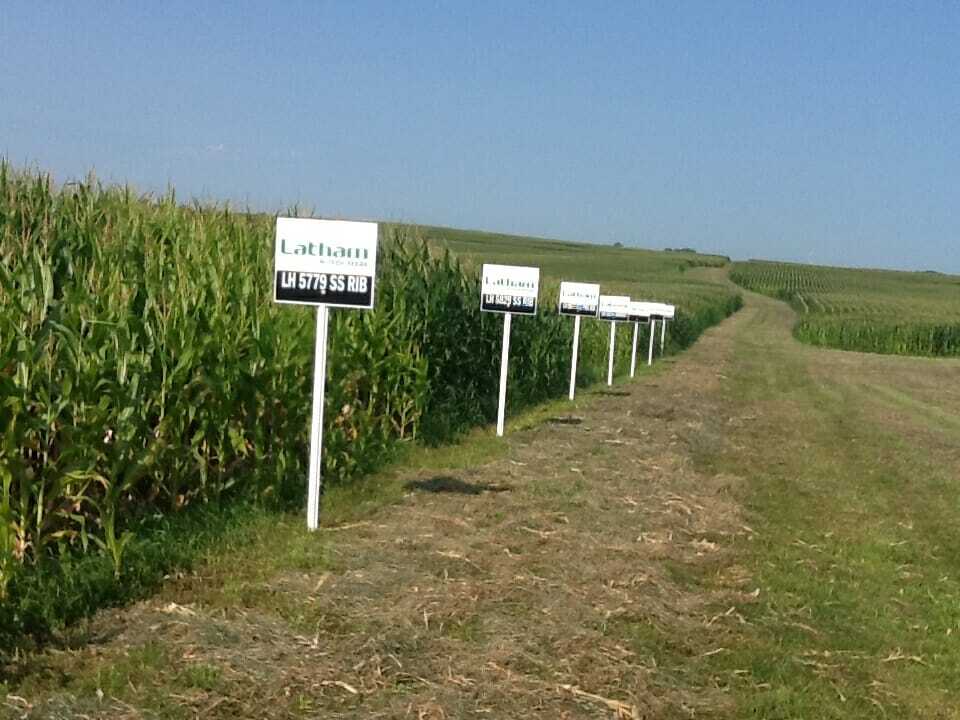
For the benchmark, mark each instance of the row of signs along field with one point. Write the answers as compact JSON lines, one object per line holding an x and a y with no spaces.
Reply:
{"x":332,"y":263}
{"x":511,"y":289}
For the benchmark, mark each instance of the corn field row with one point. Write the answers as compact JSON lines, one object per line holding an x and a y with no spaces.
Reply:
{"x":144,"y":367}
{"x":865,"y":310}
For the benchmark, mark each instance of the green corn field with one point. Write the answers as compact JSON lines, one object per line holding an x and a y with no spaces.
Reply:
{"x":880,"y":311}
{"x":144,"y":367}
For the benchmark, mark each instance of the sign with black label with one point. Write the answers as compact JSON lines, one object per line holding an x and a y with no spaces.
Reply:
{"x":509,"y":289}
{"x":614,"y":307}
{"x":667,"y":312}
{"x":655,"y":311}
{"x":579,"y":299}
{"x":639,"y":312}
{"x":325,"y":262}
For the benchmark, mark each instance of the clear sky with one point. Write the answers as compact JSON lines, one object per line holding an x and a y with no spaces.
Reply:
{"x":826,"y":132}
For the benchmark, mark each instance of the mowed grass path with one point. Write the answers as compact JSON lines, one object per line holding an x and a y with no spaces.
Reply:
{"x":756,"y":529}
{"x":852,"y":469}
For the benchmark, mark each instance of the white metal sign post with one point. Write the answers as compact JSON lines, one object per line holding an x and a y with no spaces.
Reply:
{"x":612,"y":309}
{"x":661,"y":312}
{"x":314,"y":479}
{"x":504,"y":362}
{"x":653,"y":331}
{"x":640,"y":316}
{"x":573,"y":357}
{"x":579,"y":300}
{"x":613,"y":342}
{"x":327,"y":263}
{"x":668,"y":313}
{"x":508,"y":289}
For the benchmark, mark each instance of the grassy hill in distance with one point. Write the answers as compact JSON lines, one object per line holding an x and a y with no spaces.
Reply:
{"x":655,"y":275}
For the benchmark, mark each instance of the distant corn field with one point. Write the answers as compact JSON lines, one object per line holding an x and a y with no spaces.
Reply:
{"x":145,"y":368}
{"x":881,"y":311}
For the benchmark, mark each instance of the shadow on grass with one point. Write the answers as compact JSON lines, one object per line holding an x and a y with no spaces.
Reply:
{"x":450,"y":484}
{"x":567,"y":420}
{"x":614,"y":393}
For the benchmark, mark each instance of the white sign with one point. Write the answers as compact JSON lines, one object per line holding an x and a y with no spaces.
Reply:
{"x":579,"y":299}
{"x":509,"y":289}
{"x":660,"y":311}
{"x":639,"y":312}
{"x":325,"y":262}
{"x":614,"y":307}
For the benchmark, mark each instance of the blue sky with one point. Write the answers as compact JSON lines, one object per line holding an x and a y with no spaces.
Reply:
{"x":823,"y":132}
